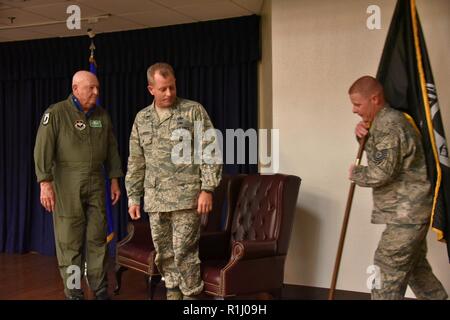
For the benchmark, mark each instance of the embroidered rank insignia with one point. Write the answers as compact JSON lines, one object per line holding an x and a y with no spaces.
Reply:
{"x":95,"y":123}
{"x":45,"y":119}
{"x":80,"y":125}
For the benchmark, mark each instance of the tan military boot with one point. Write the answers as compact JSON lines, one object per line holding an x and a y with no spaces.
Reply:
{"x":198,"y":296}
{"x":174,"y":294}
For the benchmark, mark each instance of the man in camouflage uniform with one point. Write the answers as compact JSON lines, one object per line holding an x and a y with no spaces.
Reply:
{"x":74,"y":141}
{"x":175,"y":192}
{"x":396,"y":172}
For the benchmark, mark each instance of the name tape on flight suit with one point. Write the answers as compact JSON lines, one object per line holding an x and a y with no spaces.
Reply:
{"x":95,"y":123}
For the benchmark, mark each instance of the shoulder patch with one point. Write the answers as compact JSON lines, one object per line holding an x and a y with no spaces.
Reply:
{"x":46,"y":118}
{"x":380,"y":155}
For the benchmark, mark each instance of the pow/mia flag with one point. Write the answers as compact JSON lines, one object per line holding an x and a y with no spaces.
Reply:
{"x":405,"y":73}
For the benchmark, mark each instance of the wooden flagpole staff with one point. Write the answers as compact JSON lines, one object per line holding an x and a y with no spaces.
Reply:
{"x":345,"y":223}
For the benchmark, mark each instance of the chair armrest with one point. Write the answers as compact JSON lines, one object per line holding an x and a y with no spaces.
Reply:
{"x":128,"y":237}
{"x":138,"y":233}
{"x":213,"y":245}
{"x":253,"y":249}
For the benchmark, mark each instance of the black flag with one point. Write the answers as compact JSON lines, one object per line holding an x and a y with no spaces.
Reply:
{"x":405,"y":73}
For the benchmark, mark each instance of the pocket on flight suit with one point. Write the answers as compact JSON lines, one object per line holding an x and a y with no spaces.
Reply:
{"x":69,"y":218}
{"x":99,"y":139}
{"x":68,"y":183}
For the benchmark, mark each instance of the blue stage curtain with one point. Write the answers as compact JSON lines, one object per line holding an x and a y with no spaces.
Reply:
{"x":215,"y":64}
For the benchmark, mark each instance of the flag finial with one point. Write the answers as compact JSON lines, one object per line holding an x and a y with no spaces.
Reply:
{"x":91,"y":35}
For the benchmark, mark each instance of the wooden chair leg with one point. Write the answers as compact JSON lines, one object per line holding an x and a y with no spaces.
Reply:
{"x":152,"y":282}
{"x":119,"y":271}
{"x":277,"y":293}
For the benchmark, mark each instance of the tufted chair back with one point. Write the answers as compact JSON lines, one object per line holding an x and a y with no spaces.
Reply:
{"x":249,"y":255}
{"x":258,"y":213}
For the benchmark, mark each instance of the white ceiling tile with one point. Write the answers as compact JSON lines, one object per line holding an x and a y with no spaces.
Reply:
{"x":58,"y":11}
{"x":121,"y":6}
{"x":22,"y":17}
{"x":29,"y":3}
{"x":113,"y":24}
{"x":253,"y":6}
{"x":60,"y":31}
{"x":126,"y":14}
{"x":216,"y":10}
{"x":181,"y":3}
{"x":162,"y":17}
{"x":4,"y":6}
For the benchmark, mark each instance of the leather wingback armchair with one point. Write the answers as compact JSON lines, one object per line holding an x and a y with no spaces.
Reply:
{"x":248,"y":255}
{"x":136,"y":250}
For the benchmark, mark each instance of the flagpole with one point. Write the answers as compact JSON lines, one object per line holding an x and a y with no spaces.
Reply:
{"x":345,"y":223}
{"x":91,"y":35}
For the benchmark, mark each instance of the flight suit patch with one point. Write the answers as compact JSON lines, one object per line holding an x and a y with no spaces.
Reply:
{"x":46,"y":119}
{"x":80,"y":125}
{"x":95,"y":123}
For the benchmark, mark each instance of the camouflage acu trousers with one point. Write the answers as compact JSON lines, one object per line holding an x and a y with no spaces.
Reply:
{"x":176,"y":236}
{"x":401,"y":257}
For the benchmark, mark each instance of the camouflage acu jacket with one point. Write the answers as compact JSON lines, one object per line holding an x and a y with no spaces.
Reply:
{"x":396,"y":171}
{"x":167,"y":185}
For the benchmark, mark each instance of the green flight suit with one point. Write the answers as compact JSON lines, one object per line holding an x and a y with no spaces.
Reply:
{"x":71,"y":149}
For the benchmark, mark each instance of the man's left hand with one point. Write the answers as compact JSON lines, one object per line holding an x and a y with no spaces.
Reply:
{"x":115,"y":191}
{"x":350,"y":171}
{"x":204,"y":202}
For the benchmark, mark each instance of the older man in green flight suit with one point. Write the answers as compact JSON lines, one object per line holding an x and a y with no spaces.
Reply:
{"x":75,"y":141}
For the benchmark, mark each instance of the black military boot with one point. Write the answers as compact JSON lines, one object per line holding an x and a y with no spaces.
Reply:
{"x":74,"y":295}
{"x":102,"y":295}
